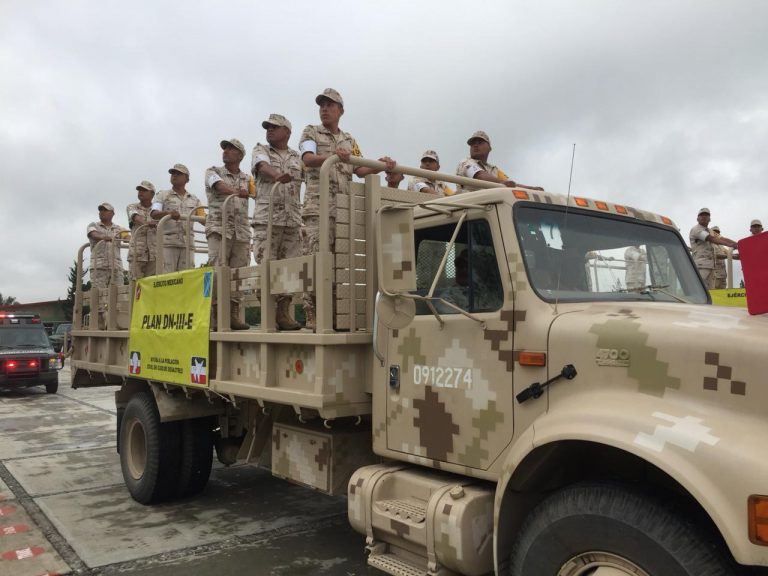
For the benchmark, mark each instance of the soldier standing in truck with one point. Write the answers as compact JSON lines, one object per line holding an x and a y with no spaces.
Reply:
{"x":178,"y":203}
{"x":106,"y":265}
{"x":220,"y":182}
{"x":141,"y":254}
{"x":477,"y":165}
{"x":703,"y":243}
{"x":429,"y":161}
{"x":270,"y":163}
{"x":317,"y":143}
{"x":635,"y":260}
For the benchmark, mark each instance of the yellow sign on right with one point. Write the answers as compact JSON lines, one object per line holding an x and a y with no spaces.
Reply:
{"x":729,"y":297}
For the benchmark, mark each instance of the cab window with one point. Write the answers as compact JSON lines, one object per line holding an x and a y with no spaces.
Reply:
{"x":470,"y":278}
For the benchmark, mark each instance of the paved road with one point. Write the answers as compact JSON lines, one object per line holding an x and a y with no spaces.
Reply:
{"x":64,"y":509}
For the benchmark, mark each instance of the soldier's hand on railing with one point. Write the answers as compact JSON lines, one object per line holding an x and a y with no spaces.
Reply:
{"x":242,"y":192}
{"x":284,"y":178}
{"x":343,"y":153}
{"x":389,"y":162}
{"x":175,"y":214}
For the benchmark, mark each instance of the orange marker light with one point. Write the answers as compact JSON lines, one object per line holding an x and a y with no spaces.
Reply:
{"x":666,"y":221}
{"x":758,"y":519}
{"x":620,"y":209}
{"x":581,"y":202}
{"x":601,"y":205}
{"x":521,"y":194}
{"x":532,"y":358}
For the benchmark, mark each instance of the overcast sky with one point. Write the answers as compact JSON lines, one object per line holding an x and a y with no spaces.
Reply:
{"x":666,"y":101}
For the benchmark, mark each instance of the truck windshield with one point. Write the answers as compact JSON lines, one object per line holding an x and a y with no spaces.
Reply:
{"x":582,"y":256}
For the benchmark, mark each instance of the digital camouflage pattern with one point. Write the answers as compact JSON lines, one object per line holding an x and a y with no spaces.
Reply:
{"x":469,"y":166}
{"x":101,"y":255}
{"x":441,"y":188}
{"x":143,"y":243}
{"x":341,"y":172}
{"x":292,"y":276}
{"x":167,"y":200}
{"x":286,"y":207}
{"x":237,"y":224}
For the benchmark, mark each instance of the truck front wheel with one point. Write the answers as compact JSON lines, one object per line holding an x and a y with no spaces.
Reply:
{"x":149,"y":450}
{"x":595,"y":529}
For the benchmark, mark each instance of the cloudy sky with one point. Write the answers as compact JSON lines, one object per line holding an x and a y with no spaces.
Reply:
{"x":665,"y":100}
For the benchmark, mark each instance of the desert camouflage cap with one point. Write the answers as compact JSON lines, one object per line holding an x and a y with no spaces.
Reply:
{"x":715,"y":229}
{"x":146,"y":185}
{"x":276,"y":120}
{"x":179,"y":168}
{"x":430,"y":154}
{"x":755,"y":223}
{"x":331,"y":94}
{"x":704,"y":211}
{"x":234,"y":142}
{"x":479,"y":134}
{"x":106,"y":206}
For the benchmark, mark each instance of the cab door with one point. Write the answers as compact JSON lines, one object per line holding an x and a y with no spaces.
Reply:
{"x":450,"y":394}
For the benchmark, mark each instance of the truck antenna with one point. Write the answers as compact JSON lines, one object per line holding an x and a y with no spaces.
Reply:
{"x":565,"y":221}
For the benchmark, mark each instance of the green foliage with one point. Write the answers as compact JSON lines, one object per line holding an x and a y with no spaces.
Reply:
{"x":7,"y":300}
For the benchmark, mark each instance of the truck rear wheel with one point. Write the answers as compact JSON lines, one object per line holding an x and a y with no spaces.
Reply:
{"x":52,"y":387}
{"x":596,"y":529}
{"x":196,"y":456}
{"x":149,"y":450}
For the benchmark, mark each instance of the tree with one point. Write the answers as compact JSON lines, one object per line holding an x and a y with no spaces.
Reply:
{"x":7,"y":300}
{"x":69,"y":303}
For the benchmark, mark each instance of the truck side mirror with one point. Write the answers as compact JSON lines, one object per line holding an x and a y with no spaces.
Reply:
{"x":397,"y":254}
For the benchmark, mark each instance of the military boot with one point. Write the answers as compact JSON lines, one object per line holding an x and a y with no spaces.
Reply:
{"x":234,"y":322}
{"x":309,"y":313}
{"x":283,"y":315}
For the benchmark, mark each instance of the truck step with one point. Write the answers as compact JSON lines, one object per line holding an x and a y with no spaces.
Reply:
{"x":395,"y":565}
{"x":410,"y":509}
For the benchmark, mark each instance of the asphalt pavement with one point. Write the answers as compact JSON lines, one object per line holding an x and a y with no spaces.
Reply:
{"x":64,"y":508}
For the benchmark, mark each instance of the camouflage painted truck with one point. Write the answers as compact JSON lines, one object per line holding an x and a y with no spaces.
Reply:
{"x":483,"y":384}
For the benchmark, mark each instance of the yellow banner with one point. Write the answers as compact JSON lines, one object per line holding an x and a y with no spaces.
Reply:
{"x":729,"y":297}
{"x":170,"y":327}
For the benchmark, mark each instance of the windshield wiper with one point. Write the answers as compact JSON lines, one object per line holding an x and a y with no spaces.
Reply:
{"x":31,"y":346}
{"x":651,"y":289}
{"x":661,"y":288}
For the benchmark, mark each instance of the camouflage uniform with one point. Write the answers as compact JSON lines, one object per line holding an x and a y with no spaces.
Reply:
{"x":416,"y":184}
{"x":238,"y":230}
{"x":341,"y":175}
{"x":703,"y":254}
{"x":106,"y":264}
{"x":469,"y":167}
{"x":286,"y":208}
{"x":721,"y":275}
{"x":325,"y":143}
{"x":635,"y":260}
{"x":141,"y":253}
{"x":174,"y":251}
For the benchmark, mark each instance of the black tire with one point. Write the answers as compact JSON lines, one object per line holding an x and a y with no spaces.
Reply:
{"x":585,"y":526}
{"x":196,"y":456}
{"x":52,"y":387}
{"x":149,"y":451}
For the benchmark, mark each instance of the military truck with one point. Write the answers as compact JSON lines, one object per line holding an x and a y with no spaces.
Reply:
{"x":482,"y":383}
